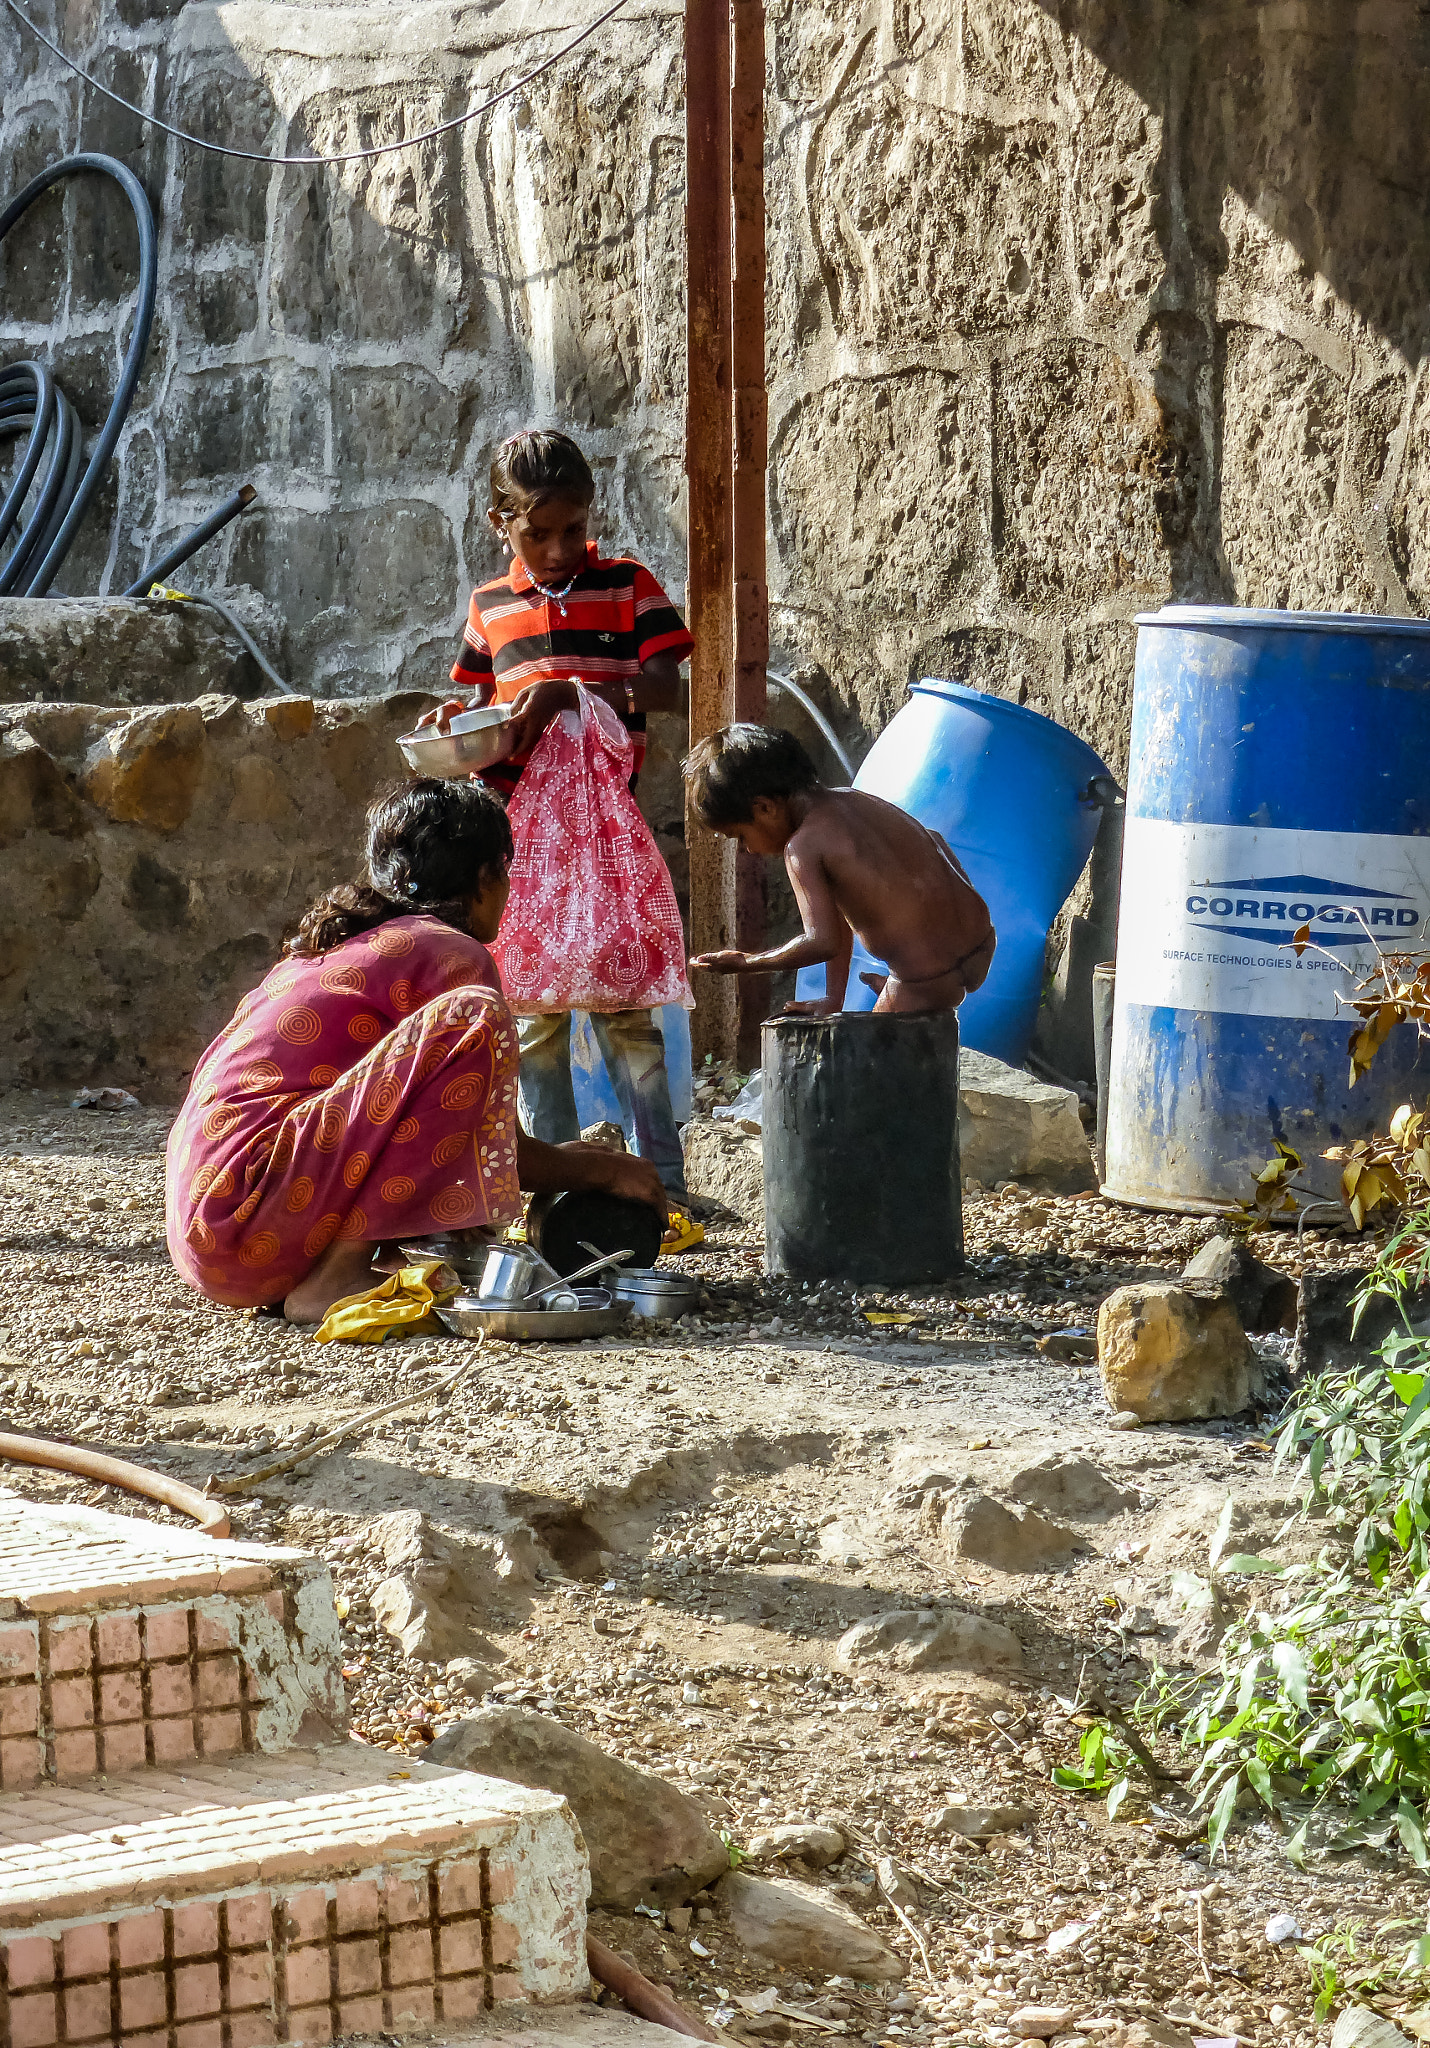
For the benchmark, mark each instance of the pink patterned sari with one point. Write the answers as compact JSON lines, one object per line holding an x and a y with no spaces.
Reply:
{"x":367,"y":1093}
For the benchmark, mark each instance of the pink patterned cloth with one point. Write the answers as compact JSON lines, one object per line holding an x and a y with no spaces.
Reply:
{"x":592,"y":922}
{"x":367,"y":1093}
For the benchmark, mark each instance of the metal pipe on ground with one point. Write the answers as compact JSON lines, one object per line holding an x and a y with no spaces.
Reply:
{"x":644,"y":1998}
{"x":105,"y":1471}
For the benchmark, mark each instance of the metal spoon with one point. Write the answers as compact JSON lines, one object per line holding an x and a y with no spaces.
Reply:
{"x":582,"y":1272}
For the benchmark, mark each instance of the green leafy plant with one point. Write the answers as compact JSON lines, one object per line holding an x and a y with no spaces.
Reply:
{"x":1322,"y":1692}
{"x":1105,"y":1766}
{"x":1357,"y":1963}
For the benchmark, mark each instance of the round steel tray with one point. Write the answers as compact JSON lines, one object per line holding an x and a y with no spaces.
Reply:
{"x":467,"y":1317}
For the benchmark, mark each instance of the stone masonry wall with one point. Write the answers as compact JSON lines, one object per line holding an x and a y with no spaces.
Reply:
{"x":1076,"y":306}
{"x":154,"y":859}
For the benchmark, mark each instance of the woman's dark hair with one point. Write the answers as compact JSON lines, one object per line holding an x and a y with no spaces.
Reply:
{"x":729,"y":769}
{"x":532,"y":467}
{"x":430,"y":847}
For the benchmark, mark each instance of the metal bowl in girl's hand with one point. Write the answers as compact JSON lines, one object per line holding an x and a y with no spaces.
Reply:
{"x":471,"y":740}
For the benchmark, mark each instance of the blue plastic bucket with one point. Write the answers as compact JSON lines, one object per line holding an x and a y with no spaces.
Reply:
{"x":1280,"y":777}
{"x":1007,"y":788}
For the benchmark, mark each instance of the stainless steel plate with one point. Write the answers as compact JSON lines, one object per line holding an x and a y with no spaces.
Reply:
{"x":598,"y":1314}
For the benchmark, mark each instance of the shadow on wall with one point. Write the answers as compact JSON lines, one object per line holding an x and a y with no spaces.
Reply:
{"x":1290,"y":202}
{"x":1092,"y":305}
{"x":1075,"y":306}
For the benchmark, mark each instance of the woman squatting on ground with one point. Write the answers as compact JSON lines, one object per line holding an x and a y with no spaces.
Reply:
{"x":366,"y":1091}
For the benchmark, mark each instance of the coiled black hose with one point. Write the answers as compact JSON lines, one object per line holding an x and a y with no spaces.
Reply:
{"x":31,"y":402}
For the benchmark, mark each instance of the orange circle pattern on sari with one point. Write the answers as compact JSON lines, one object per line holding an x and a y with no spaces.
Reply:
{"x":400,"y":1037}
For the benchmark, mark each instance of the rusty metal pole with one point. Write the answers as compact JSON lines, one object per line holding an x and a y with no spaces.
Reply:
{"x":709,"y":424}
{"x":751,"y":409}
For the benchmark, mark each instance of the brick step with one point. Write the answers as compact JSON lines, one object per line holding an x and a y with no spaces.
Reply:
{"x":268,"y":1899}
{"x":125,"y":1642}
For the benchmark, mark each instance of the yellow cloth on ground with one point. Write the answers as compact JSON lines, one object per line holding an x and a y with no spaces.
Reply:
{"x":403,"y":1302}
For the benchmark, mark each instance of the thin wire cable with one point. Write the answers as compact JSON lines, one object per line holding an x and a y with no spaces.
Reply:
{"x":214,"y":605}
{"x":350,"y":156}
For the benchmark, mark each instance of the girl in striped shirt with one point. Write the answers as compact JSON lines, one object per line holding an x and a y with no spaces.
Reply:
{"x":563,"y":610}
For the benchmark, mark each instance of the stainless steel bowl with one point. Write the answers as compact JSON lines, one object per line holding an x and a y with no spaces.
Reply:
{"x":473,"y":740}
{"x":598,"y":1313}
{"x":660,"y":1297}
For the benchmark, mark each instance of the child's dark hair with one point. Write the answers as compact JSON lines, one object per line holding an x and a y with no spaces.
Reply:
{"x":727,"y":771}
{"x":430,"y":847}
{"x":533,"y":467}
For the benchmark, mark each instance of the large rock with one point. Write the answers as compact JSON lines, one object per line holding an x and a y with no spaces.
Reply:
{"x":117,"y":650}
{"x":803,"y":1929}
{"x":441,"y":1585}
{"x":809,"y":1841}
{"x":989,"y":1531}
{"x":1064,"y":1485}
{"x":413,"y":1607}
{"x":146,"y":771}
{"x":917,"y":1639}
{"x":1169,"y":1354}
{"x":979,"y":1823}
{"x":1013,"y":1127}
{"x":1040,"y":2022}
{"x":646,"y":1841}
{"x":725,"y":1164}
{"x":1263,"y":1298}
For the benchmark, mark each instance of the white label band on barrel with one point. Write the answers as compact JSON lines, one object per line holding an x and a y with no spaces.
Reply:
{"x":1209,"y":912}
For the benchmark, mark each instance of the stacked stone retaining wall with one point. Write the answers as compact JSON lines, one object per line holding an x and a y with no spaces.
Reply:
{"x":154,"y":860}
{"x":1075,"y":306}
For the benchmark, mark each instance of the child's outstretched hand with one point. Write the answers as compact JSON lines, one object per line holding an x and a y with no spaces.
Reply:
{"x":721,"y":963}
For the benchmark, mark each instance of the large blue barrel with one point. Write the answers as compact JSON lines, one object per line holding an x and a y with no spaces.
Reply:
{"x":1008,"y":789}
{"x":1280,"y":776}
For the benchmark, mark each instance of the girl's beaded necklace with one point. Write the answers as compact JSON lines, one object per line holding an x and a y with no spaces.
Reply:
{"x":556,"y":597}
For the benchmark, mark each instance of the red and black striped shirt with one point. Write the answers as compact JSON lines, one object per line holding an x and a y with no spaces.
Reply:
{"x":614,"y":617}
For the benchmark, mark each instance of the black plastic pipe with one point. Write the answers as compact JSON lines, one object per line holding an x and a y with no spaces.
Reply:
{"x":32,"y":399}
{"x":192,"y":541}
{"x":57,"y":534}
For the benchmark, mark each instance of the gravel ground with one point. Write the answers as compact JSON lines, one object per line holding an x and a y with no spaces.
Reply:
{"x":677,"y":1525}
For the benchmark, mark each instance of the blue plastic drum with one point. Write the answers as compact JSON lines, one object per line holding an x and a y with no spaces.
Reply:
{"x":1280,"y":777}
{"x":1008,"y":789}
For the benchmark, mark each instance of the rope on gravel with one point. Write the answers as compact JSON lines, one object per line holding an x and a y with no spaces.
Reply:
{"x":240,"y":1482}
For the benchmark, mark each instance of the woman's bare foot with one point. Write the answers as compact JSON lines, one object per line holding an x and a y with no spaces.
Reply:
{"x":345,"y":1268}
